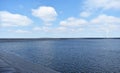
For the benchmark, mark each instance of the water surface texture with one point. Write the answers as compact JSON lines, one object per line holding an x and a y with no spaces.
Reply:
{"x":69,"y":55}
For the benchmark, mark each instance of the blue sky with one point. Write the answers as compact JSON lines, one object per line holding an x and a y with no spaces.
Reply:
{"x":59,"y":18}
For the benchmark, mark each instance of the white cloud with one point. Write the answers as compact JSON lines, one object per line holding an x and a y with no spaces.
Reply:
{"x":105,"y":19}
{"x":22,"y":31}
{"x":102,"y":4}
{"x":102,"y":23}
{"x":85,"y":14}
{"x":42,"y":29}
{"x":56,"y":30}
{"x":61,"y":28}
{"x":10,"y":19}
{"x":108,"y":28}
{"x":66,"y":30}
{"x":49,"y":29}
{"x":46,"y":13}
{"x":73,"y":22}
{"x":106,"y":23}
{"x":37,"y":29}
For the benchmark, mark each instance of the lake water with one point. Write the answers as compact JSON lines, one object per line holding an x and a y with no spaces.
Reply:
{"x":69,"y":55}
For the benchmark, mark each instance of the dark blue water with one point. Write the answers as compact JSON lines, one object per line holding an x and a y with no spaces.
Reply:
{"x":69,"y":55}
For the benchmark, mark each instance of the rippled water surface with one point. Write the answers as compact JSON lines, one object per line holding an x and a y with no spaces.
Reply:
{"x":69,"y":55}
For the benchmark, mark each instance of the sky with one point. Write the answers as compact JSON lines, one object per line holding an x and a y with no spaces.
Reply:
{"x":59,"y":18}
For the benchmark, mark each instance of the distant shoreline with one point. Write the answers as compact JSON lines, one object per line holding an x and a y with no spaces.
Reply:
{"x":50,"y":38}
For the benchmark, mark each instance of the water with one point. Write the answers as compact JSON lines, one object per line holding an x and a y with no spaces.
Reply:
{"x":69,"y":55}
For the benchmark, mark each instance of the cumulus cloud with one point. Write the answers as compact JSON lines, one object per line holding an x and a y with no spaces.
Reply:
{"x":37,"y":29}
{"x":71,"y":21}
{"x":10,"y":19}
{"x":102,"y":4}
{"x":85,"y":14}
{"x":105,"y":19}
{"x":56,"y":30}
{"x":21,"y":31}
{"x":106,"y":23}
{"x":42,"y":29}
{"x":102,"y":23}
{"x":67,"y":29}
{"x":46,"y":13}
{"x":61,"y":29}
